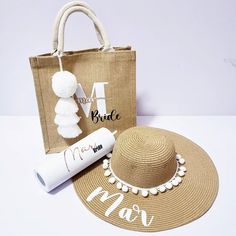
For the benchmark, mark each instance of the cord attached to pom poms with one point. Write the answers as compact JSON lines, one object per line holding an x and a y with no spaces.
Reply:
{"x":64,"y":85}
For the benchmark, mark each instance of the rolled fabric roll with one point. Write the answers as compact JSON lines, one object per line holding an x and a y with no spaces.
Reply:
{"x":56,"y":170}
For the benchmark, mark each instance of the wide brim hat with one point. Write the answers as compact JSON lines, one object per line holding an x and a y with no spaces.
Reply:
{"x":142,"y":187}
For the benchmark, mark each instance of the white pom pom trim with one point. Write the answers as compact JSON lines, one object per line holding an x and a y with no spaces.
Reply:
{"x":145,"y":192}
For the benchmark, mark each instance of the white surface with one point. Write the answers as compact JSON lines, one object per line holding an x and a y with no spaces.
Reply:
{"x":25,"y":209}
{"x":186,"y":53}
{"x":59,"y":167}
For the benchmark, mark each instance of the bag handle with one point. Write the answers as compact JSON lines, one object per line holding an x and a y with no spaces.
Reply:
{"x":61,"y":29}
{"x":61,"y":13}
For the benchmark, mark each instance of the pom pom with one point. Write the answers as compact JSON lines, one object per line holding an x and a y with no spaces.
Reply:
{"x":125,"y":189}
{"x":145,"y":193}
{"x":66,"y":106}
{"x":153,"y":191}
{"x":175,"y":182}
{"x":183,"y":168}
{"x":107,"y":173}
{"x":181,"y":173}
{"x":105,"y":166}
{"x":119,"y":185}
{"x":66,"y":120}
{"x":162,"y":188}
{"x":69,"y":131}
{"x":105,"y":161}
{"x":135,"y":190}
{"x":109,"y":155}
{"x":64,"y":84}
{"x":178,"y":179}
{"x":169,"y":185}
{"x":112,"y":180}
{"x":181,"y":161}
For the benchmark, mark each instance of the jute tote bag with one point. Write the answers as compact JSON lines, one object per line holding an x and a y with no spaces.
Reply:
{"x":106,"y":93}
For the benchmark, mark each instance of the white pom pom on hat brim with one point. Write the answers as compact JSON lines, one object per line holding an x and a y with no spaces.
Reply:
{"x":66,"y":120}
{"x":66,"y":106}
{"x":64,"y":84}
{"x":69,"y":131}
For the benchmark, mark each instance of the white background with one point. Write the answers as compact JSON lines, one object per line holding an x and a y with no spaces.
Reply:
{"x":26,"y":210}
{"x":186,"y":51}
{"x":186,"y":65}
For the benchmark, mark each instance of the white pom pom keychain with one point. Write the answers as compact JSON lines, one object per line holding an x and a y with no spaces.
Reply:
{"x":64,"y":85}
{"x":66,"y":106}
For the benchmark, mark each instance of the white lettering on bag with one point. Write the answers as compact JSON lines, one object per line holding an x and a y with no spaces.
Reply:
{"x":128,"y":214}
{"x":86,"y":102}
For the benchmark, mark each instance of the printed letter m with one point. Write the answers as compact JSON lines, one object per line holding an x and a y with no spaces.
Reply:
{"x":99,"y":90}
{"x":104,"y":197}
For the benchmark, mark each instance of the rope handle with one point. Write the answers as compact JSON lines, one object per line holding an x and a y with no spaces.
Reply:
{"x":98,"y":25}
{"x":58,"y":19}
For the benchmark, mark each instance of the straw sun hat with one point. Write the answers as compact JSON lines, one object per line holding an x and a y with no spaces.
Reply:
{"x":154,"y":180}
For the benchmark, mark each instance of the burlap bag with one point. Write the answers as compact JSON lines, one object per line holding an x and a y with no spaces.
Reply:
{"x":106,"y":93}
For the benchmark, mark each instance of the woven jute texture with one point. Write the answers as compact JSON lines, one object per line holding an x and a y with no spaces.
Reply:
{"x":135,"y":161}
{"x":91,"y":66}
{"x":176,"y":207}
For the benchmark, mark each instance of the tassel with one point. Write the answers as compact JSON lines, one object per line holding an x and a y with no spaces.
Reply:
{"x":64,"y":85}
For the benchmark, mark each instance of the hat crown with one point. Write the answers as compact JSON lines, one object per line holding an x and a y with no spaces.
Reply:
{"x":143,"y":157}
